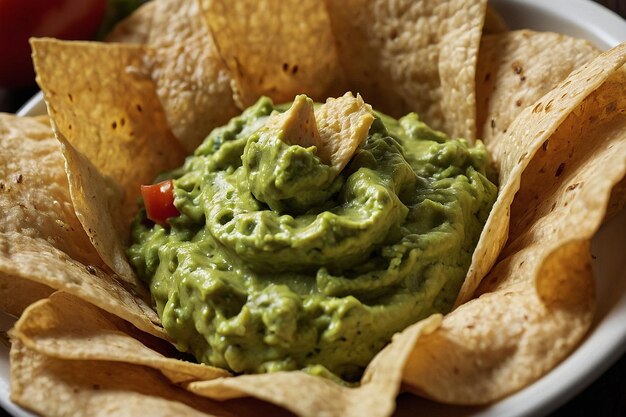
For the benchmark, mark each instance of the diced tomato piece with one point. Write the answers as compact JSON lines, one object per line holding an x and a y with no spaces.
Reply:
{"x":159,"y":201}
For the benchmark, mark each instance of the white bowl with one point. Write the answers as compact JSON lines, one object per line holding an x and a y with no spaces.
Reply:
{"x":606,"y":341}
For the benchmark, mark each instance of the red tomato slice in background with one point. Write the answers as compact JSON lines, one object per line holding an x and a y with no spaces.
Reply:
{"x":159,"y":201}
{"x":21,"y":19}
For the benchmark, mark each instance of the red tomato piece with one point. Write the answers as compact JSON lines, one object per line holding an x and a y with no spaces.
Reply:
{"x":159,"y":201}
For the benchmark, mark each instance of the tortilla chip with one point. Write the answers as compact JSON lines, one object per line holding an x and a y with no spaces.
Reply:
{"x":16,"y":293}
{"x":34,"y":194}
{"x":375,"y":397}
{"x":96,"y":201}
{"x":515,"y":69}
{"x":297,"y":124}
{"x":55,"y":387}
{"x":511,"y":152}
{"x":101,"y":98}
{"x":413,"y":56}
{"x":494,"y":23}
{"x":65,"y":327}
{"x":105,"y":106}
{"x":336,"y":128}
{"x":276,"y":48}
{"x":537,"y":303}
{"x":37,"y":260}
{"x":175,"y":20}
{"x":35,"y":202}
{"x":191,"y":79}
{"x":41,"y":238}
{"x":343,"y":124}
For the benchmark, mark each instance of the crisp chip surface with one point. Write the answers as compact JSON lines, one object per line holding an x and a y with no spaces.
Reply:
{"x":516,"y":68}
{"x":192,"y":81}
{"x":59,"y":326}
{"x":35,"y":202}
{"x":297,"y":124}
{"x":336,"y":128}
{"x":343,"y":124}
{"x":193,"y":84}
{"x":405,"y":56}
{"x":108,"y":117}
{"x":34,"y":192}
{"x":58,"y":387}
{"x":36,"y":260}
{"x":276,"y":48}
{"x":568,"y":152}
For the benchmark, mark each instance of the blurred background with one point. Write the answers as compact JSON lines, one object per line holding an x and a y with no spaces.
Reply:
{"x":63,"y":19}
{"x":92,"y":19}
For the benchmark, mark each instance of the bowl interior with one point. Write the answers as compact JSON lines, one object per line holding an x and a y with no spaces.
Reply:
{"x":607,"y":339}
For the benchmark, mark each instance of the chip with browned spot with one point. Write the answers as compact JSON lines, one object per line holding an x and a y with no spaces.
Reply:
{"x":559,"y":162}
{"x":516,"y":68}
{"x":42,"y":243}
{"x":104,"y":107}
{"x":419,"y":56}
{"x":276,"y":48}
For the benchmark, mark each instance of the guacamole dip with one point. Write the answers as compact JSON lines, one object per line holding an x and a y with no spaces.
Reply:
{"x":280,"y":260}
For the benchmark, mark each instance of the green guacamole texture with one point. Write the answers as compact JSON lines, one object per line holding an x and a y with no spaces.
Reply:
{"x":277,"y":262}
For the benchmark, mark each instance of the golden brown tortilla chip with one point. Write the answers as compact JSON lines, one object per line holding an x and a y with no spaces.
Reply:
{"x":173,"y":21}
{"x":515,"y":69}
{"x":41,"y":239}
{"x":97,"y":200}
{"x":375,"y":397}
{"x":297,"y":124}
{"x":17,"y":293}
{"x":37,"y":260}
{"x":104,"y":106}
{"x":192,"y":81}
{"x":537,"y":303}
{"x":512,"y":155}
{"x":55,"y":387}
{"x":103,"y":101}
{"x":343,"y":124}
{"x":276,"y":48}
{"x":506,"y":339}
{"x":65,"y":327}
{"x":34,"y":194}
{"x":336,"y":128}
{"x":494,"y":23}
{"x":35,"y":202}
{"x":191,"y":78}
{"x":412,"y":56}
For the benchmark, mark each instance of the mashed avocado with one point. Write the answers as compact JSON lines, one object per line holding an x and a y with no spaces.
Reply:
{"x":281,"y":262}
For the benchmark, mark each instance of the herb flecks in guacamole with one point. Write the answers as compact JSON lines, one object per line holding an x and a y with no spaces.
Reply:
{"x":281,"y":261}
